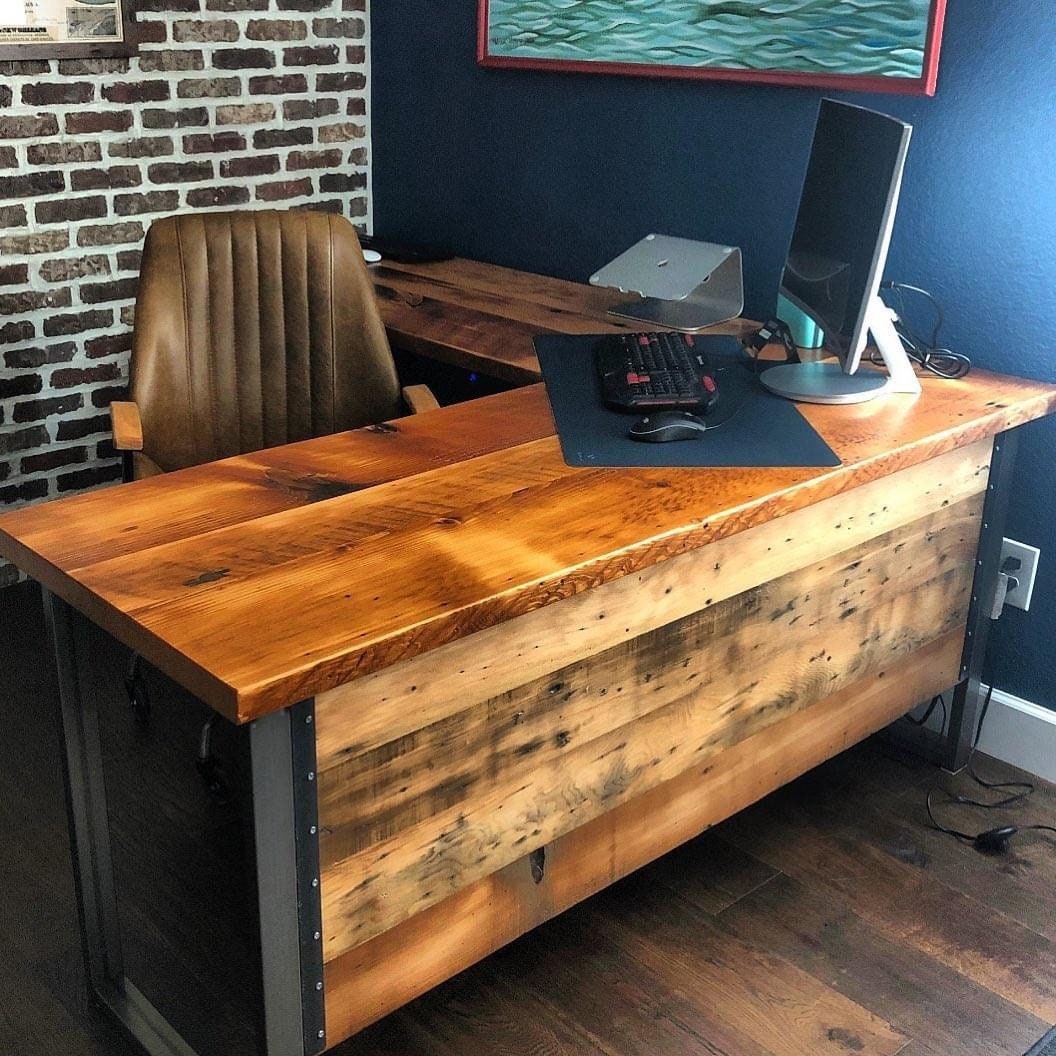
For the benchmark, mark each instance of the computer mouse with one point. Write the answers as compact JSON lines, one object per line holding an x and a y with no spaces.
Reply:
{"x":663,"y":426}
{"x":371,"y":256}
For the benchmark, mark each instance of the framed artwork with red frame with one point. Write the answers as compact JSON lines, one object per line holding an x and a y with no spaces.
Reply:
{"x":859,"y":45}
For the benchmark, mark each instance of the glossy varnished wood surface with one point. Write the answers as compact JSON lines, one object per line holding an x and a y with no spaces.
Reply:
{"x":483,"y":317}
{"x":264,"y":579}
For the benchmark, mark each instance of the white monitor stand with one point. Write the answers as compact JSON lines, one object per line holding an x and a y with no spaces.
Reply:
{"x":828,"y":383}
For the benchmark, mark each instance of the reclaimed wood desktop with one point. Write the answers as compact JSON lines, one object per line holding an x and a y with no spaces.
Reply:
{"x":481,"y":685}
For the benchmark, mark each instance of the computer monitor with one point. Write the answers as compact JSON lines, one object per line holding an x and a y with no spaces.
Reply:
{"x":837,"y":256}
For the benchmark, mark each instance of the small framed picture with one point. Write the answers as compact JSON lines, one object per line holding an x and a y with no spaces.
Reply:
{"x":46,"y":29}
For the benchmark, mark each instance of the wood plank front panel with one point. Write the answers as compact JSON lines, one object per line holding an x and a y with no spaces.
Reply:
{"x":410,"y":820}
{"x":381,"y":708}
{"x":379,"y":976}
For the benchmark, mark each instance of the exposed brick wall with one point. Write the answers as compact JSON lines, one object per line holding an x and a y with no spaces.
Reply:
{"x":230,"y":103}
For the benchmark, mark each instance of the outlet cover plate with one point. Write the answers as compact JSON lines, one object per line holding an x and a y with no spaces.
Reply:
{"x":1019,"y":598}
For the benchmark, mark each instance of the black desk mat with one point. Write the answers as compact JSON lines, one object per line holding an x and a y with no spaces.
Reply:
{"x":757,"y":428}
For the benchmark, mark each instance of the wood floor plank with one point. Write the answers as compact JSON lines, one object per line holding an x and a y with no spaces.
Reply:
{"x":1016,"y":884}
{"x":644,"y":1012}
{"x":771,"y":1000}
{"x":905,"y":905}
{"x":918,"y":995}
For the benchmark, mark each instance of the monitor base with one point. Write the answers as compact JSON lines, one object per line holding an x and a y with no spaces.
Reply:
{"x":822,"y":383}
{"x":827,"y":382}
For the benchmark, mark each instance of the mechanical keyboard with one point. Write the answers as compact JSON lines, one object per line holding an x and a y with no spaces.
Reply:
{"x":655,"y":371}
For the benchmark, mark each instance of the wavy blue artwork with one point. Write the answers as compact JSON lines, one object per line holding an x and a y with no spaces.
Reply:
{"x":880,"y":44}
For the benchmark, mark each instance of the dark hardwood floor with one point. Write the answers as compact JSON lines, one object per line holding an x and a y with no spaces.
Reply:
{"x":829,"y":918}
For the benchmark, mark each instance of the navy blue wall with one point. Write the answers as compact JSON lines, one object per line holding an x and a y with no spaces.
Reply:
{"x":558,"y":173}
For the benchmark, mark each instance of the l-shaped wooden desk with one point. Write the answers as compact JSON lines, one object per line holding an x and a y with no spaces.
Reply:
{"x":474,"y":685}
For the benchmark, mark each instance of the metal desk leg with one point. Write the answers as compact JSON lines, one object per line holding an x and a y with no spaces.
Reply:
{"x":967,"y":694}
{"x":90,"y":845}
{"x":285,"y":830}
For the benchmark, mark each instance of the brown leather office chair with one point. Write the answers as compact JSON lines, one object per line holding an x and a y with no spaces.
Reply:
{"x":253,"y":329}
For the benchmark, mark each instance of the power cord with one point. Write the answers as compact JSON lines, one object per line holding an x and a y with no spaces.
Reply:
{"x":989,"y":841}
{"x":933,"y":357}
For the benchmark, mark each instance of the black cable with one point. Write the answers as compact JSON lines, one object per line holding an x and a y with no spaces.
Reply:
{"x":994,"y":840}
{"x":933,"y":357}
{"x":923,"y":720}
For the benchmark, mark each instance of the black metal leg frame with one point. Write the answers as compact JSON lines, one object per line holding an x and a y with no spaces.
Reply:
{"x":967,"y":694}
{"x":282,"y":749}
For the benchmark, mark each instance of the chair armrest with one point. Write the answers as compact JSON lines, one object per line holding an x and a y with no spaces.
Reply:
{"x":127,"y":425}
{"x":418,"y":398}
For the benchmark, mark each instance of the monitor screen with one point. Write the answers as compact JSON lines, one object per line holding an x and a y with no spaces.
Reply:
{"x":843,"y":227}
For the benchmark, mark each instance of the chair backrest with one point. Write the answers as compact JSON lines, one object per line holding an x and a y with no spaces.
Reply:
{"x":254,"y":329}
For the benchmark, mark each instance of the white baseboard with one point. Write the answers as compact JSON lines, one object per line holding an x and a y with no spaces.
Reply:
{"x":1021,"y":733}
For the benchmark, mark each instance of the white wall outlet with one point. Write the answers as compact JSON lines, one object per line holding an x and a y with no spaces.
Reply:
{"x":1019,"y":596}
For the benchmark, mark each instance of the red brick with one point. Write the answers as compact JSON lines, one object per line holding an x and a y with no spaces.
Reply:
{"x":203,"y":197}
{"x":61,"y":269}
{"x":110,"y":234}
{"x":38,"y":410}
{"x":340,"y":82}
{"x":357,"y":156}
{"x":65,"y":456}
{"x":213,"y":142}
{"x":151,"y":202}
{"x":355,"y":54}
{"x":23,"y":439}
{"x":91,"y":67}
{"x":77,"y":428}
{"x":204,"y":32}
{"x":108,"y":345}
{"x":34,"y":127}
{"x":88,"y":478}
{"x":245,"y":114}
{"x":144,"y":147}
{"x":65,"y":210}
{"x":13,"y":274}
{"x":31,"y":358}
{"x":341,"y":133}
{"x":154,"y":31}
{"x":20,"y":330}
{"x":342,"y":182}
{"x":102,"y":292}
{"x":67,"y":377}
{"x":354,"y":28}
{"x":137,"y":92}
{"x":256,"y":165}
{"x":168,"y":5}
{"x":48,"y":94}
{"x":13,"y":216}
{"x":356,"y":107}
{"x":188,"y":117}
{"x":282,"y":137}
{"x":37,"y":242}
{"x":8,"y":158}
{"x":77,"y":323}
{"x":313,"y":159}
{"x":209,"y":88}
{"x":276,"y":29}
{"x":20,"y":385}
{"x":303,"y":5}
{"x":236,"y":5}
{"x":32,"y":184}
{"x":283,"y":189}
{"x":179,"y":172}
{"x":105,"y":121}
{"x":24,"y":67}
{"x":243,"y":59}
{"x":34,"y":300}
{"x":169,"y":61}
{"x":320,"y":55}
{"x":105,"y":179}
{"x":105,"y":396}
{"x":280,"y":85}
{"x":307,"y":109}
{"x":24,"y":492}
{"x":59,"y":153}
{"x":128,"y":260}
